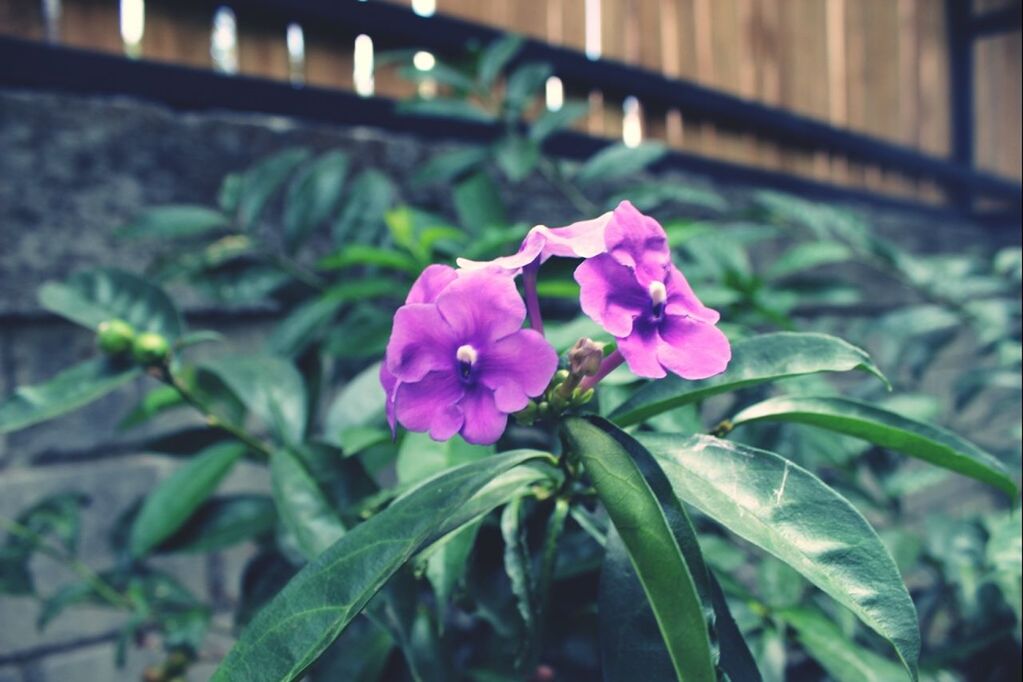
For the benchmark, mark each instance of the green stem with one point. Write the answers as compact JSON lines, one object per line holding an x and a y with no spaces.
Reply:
{"x":216,"y":422}
{"x":100,"y":586}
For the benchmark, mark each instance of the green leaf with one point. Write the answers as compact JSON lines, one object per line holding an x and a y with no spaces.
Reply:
{"x":222,"y":522}
{"x":315,"y":607}
{"x":617,"y":161}
{"x":270,"y":387}
{"x":303,"y":505}
{"x":517,"y":564}
{"x":777,"y":505}
{"x":73,"y":388}
{"x":313,"y":196}
{"x":67,"y":596}
{"x":174,"y":222}
{"x":478,"y":203}
{"x":361,"y":217}
{"x":495,"y":57}
{"x":446,"y":167}
{"x":757,"y":360}
{"x":156,"y":401}
{"x":446,"y":562}
{"x":174,"y":500}
{"x":359,"y":403}
{"x":441,"y":73}
{"x":95,"y":296}
{"x":517,"y":156}
{"x":844,"y":660}
{"x":305,"y":324}
{"x":443,"y":107}
{"x":261,"y":182}
{"x":523,"y":85}
{"x":420,"y":457}
{"x":889,"y":430}
{"x":375,"y":256}
{"x":647,"y":516}
{"x":550,"y":122}
{"x":808,"y":255}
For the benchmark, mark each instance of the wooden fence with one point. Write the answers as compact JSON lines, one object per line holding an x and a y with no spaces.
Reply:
{"x":874,"y":66}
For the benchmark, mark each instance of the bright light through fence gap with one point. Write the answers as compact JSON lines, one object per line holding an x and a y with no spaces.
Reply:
{"x":133,"y":26}
{"x":632,"y":122}
{"x":224,"y":41}
{"x":424,"y":61}
{"x":593,"y":29}
{"x":424,"y":8}
{"x":555,"y":94}
{"x":51,"y":19}
{"x":362,"y":69}
{"x":296,"y":54}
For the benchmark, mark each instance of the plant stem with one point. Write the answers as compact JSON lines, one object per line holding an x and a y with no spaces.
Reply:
{"x":608,"y":365}
{"x":213,"y":420}
{"x":554,"y":175}
{"x":101,"y":587}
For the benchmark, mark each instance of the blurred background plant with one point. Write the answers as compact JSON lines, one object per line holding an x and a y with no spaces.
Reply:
{"x":335,"y":252}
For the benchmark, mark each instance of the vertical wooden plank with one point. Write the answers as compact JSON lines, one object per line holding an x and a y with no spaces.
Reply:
{"x":329,"y":60}
{"x":766,"y":21}
{"x":649,"y":53}
{"x":262,"y":47}
{"x":22,"y":19}
{"x":614,"y":17}
{"x":179,"y":35}
{"x":91,"y":24}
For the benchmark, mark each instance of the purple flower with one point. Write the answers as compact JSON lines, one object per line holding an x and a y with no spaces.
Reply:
{"x":458,"y":360}
{"x":635,"y":293}
{"x":583,"y":239}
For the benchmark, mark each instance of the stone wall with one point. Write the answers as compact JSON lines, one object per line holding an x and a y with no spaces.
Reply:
{"x":72,"y":170}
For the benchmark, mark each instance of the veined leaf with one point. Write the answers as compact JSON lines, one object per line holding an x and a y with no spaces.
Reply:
{"x":176,"y":497}
{"x":318,"y":603}
{"x":757,"y":360}
{"x":73,"y":388}
{"x":808,"y":255}
{"x":618,"y":161}
{"x":790,"y":513}
{"x":647,"y":516}
{"x":887,"y":429}
{"x":222,"y":522}
{"x":363,"y":254}
{"x":495,"y":57}
{"x":92,"y":297}
{"x":361,"y":217}
{"x":361,"y":402}
{"x":262,"y":180}
{"x":313,"y":195}
{"x":270,"y":387}
{"x":173,"y":222}
{"x":303,"y":505}
{"x":157,"y":401}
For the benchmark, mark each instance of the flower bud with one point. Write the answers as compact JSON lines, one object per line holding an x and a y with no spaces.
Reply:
{"x":150,"y":349}
{"x":114,"y":336}
{"x":585,"y":357}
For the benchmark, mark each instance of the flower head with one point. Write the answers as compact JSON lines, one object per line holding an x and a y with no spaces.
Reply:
{"x":458,"y":360}
{"x":635,"y":293}
{"x":583,"y":239}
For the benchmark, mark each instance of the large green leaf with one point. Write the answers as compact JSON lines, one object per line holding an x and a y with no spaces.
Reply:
{"x":222,"y":522}
{"x":361,"y":217}
{"x":495,"y":57}
{"x":844,"y":660}
{"x":270,"y":387}
{"x":261,"y":182}
{"x":73,"y":388}
{"x":648,"y":517}
{"x":314,"y":608}
{"x":478,"y":203}
{"x":757,"y":360}
{"x":360,"y":403}
{"x":887,"y":429}
{"x":792,"y":514}
{"x":92,"y":297}
{"x":618,"y":161}
{"x":174,"y":222}
{"x":304,"y":508}
{"x":180,"y":494}
{"x":313,"y":195}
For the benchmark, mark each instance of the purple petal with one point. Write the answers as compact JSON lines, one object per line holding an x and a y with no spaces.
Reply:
{"x":390,"y":384}
{"x":484,"y":423}
{"x":584,"y":239}
{"x":692,"y":349}
{"x":431,"y":405}
{"x":517,"y":367}
{"x":640,"y":350}
{"x":639,"y":242}
{"x":530,"y":250}
{"x":482,"y":306}
{"x":609,"y":294}
{"x":683,"y":301}
{"x":430,"y":283}
{"x":421,"y":341}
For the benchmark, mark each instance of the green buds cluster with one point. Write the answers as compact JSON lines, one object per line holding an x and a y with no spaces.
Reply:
{"x":118,"y":338}
{"x":563,"y":393}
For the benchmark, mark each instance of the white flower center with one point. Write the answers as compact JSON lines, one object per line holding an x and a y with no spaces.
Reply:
{"x":658,"y":294}
{"x":466,"y":355}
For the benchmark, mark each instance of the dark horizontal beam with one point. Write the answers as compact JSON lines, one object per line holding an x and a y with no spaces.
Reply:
{"x":32,"y":65}
{"x":994,"y":22}
{"x":391,"y":25}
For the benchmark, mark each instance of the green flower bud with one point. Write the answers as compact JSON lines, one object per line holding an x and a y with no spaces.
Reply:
{"x":114,"y":336}
{"x":150,"y":349}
